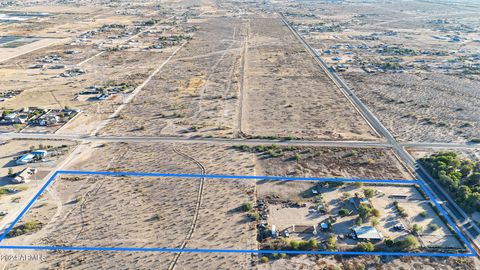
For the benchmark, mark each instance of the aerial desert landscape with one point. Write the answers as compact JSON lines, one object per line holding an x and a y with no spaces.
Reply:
{"x":234,"y":134}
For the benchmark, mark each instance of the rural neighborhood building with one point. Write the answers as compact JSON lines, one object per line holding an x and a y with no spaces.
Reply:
{"x":25,"y":159}
{"x":32,"y":156}
{"x":367,"y":233}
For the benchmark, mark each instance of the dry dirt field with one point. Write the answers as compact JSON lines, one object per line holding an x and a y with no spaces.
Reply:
{"x":287,"y":94}
{"x":197,"y":91}
{"x":333,"y":162}
{"x":144,"y":197}
{"x":422,"y":59}
{"x":423,"y":107}
{"x":229,"y":69}
{"x":217,"y":217}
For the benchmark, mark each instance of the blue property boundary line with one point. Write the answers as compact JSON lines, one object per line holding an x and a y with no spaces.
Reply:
{"x":244,"y":177}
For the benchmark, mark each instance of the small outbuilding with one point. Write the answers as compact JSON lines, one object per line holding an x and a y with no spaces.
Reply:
{"x":24,"y":176}
{"x":368,"y":233}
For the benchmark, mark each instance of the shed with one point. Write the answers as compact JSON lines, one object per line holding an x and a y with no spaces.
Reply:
{"x":367,"y":233}
{"x":24,"y":176}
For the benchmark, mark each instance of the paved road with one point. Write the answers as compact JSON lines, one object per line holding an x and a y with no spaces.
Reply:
{"x":472,"y":231}
{"x":231,"y":141}
{"x":94,"y":138}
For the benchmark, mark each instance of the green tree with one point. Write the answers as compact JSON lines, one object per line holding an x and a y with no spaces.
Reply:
{"x":295,"y":244}
{"x":358,"y":221}
{"x":466,"y":169}
{"x":463,"y":193}
{"x":312,"y":244}
{"x":474,"y":179}
{"x":364,"y":211}
{"x":360,"y":266}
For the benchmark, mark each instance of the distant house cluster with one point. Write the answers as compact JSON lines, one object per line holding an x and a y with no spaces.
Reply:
{"x":37,"y":116}
{"x":103,"y":92}
{"x":9,"y":94}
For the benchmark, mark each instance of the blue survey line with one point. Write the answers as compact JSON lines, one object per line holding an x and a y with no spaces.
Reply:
{"x":54,"y":175}
{"x":442,"y":211}
{"x":245,"y":177}
{"x":255,"y":251}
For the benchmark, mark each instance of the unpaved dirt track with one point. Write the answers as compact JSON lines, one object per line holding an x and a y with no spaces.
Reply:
{"x":197,"y":206}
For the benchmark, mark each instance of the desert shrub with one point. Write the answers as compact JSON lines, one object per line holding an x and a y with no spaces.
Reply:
{"x":410,"y":242}
{"x":360,"y":266}
{"x":247,"y":206}
{"x":433,"y":227}
{"x":254,"y":216}
{"x":374,"y":222}
{"x":343,"y":212}
{"x":366,"y":246}
{"x":416,"y":228}
{"x":389,"y":242}
{"x":368,"y":192}
{"x":364,"y":211}
{"x":359,"y":221}
{"x":331,"y":242}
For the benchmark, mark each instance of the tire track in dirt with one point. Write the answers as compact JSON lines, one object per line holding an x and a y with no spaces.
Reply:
{"x":197,"y":206}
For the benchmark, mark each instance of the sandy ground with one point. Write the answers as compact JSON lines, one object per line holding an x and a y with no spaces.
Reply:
{"x":287,"y":94}
{"x":432,"y":107}
{"x":334,"y":162}
{"x":141,"y":197}
{"x":196,"y":93}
